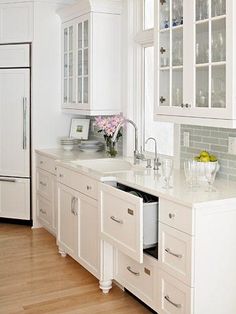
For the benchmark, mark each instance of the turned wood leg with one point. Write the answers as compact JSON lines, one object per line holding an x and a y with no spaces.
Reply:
{"x":62,"y":252}
{"x":105,"y":285}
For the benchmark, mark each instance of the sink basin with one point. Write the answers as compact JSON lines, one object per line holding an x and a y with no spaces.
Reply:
{"x":107,"y":165}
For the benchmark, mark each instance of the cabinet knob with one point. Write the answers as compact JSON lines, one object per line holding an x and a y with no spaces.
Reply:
{"x":89,"y":188}
{"x":187,"y":105}
{"x":41,"y":162}
{"x":162,"y":99}
{"x":61,"y":175}
{"x":171,"y":216}
{"x":55,"y":168}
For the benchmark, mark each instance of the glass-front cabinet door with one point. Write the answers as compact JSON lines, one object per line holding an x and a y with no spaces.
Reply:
{"x":194,"y":49}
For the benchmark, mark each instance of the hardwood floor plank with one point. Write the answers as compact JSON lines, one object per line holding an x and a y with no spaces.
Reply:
{"x":35,"y":279}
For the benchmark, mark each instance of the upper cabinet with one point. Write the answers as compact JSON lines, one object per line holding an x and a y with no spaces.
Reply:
{"x":195,"y":62}
{"x":16,"y":22}
{"x":91,"y":57}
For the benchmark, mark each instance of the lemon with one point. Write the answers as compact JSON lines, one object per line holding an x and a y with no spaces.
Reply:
{"x":213,"y":158}
{"x":205,"y":158}
{"x":204,"y":154}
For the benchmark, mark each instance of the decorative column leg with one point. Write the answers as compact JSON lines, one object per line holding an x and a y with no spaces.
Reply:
{"x":62,"y":252}
{"x":105,"y":285}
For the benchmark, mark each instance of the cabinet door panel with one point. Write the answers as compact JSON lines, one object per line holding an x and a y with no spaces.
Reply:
{"x":68,"y":220}
{"x":16,"y":22}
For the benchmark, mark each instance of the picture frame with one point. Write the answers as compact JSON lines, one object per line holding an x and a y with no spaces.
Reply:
{"x":79,"y":128}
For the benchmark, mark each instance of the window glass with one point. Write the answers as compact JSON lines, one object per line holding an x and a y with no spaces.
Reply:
{"x":148,"y":14}
{"x":162,"y":131}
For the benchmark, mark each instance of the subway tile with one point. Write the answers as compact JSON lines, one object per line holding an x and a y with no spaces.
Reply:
{"x":210,"y":140}
{"x":218,"y":148}
{"x":232,"y":178}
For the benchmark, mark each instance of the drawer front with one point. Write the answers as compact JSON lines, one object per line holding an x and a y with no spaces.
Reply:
{"x":176,"y":216}
{"x":45,"y":163}
{"x":174,"y":297}
{"x":44,"y":211}
{"x":137,"y":278}
{"x":122,"y":221}
{"x":45,"y":184}
{"x":175,"y":253}
{"x":78,"y":182}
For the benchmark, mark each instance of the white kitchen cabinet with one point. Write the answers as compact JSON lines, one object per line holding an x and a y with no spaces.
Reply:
{"x":91,"y":58}
{"x":78,"y":219}
{"x":16,"y":22}
{"x":46,"y":198}
{"x":67,"y":236}
{"x":195,"y":61}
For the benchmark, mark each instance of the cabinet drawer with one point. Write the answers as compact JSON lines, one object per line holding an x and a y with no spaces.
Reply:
{"x":45,"y":184}
{"x":45,"y":163}
{"x":78,"y":182}
{"x":44,"y":210}
{"x":174,"y":297}
{"x":176,"y":216}
{"x":122,"y":221}
{"x":175,"y":253}
{"x":137,"y":278}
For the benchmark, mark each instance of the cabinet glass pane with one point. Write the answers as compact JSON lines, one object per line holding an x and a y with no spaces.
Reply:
{"x":80,"y":40}
{"x":65,"y":65}
{"x":86,"y":34}
{"x":70,"y":90}
{"x":70,"y":63}
{"x":219,"y":40}
{"x":65,"y":39}
{"x":202,"y":9}
{"x":177,"y":87}
{"x":80,"y":90}
{"x":85,"y":90}
{"x":218,"y":92}
{"x":65,"y":91}
{"x":71,"y":38}
{"x":164,"y":14}
{"x":85,"y":61}
{"x":165,"y":49}
{"x":148,"y":14}
{"x":177,"y":47}
{"x":177,"y":12}
{"x":218,"y":7}
{"x":202,"y":87}
{"x":164,"y":87}
{"x":80,"y":63}
{"x":202,"y":43}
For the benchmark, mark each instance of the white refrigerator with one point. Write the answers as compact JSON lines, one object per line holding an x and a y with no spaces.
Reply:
{"x":15,"y":131}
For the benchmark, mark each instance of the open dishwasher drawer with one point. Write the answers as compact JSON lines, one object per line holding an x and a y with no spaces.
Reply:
{"x":129,"y":219}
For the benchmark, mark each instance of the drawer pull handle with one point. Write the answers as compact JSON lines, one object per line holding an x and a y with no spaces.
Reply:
{"x":178,"y":306}
{"x":119,"y":221}
{"x":171,"y":215}
{"x":174,"y":254}
{"x":55,"y":168}
{"x":132,"y":272}
{"x":147,"y":271}
{"x":73,"y":202}
{"x":43,"y":211}
{"x":130,"y":211}
{"x":89,"y":188}
{"x":61,"y":175}
{"x":42,"y":183}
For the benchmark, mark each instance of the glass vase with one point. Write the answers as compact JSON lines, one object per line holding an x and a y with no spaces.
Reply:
{"x":111,"y":148}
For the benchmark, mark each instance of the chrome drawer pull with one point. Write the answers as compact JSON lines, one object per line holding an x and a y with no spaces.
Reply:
{"x":174,"y":254}
{"x":42,"y":183}
{"x":73,"y":202}
{"x":89,"y":188}
{"x":43,"y":211}
{"x":171,"y":215}
{"x":172,"y":303}
{"x":7,"y":180}
{"x":119,"y":221}
{"x":132,"y":272}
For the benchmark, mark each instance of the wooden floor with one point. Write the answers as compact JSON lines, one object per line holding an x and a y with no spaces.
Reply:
{"x":35,"y":279}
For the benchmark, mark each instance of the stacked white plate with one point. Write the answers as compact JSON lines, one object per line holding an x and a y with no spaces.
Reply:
{"x":68,"y":143}
{"x":91,"y":146}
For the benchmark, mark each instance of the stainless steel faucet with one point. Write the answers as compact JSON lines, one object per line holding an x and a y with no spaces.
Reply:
{"x":156,"y":160}
{"x":137,"y":155}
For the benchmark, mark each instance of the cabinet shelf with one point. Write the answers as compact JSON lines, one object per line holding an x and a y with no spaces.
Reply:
{"x":164,"y":30}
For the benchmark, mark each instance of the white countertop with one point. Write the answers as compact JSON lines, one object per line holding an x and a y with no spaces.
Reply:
{"x":148,"y":180}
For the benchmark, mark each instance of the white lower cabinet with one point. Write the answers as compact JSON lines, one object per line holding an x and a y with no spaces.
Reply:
{"x":174,"y":297}
{"x":137,"y":278}
{"x":78,"y":222}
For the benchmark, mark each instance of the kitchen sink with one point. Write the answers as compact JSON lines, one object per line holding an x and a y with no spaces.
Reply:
{"x":107,"y":165}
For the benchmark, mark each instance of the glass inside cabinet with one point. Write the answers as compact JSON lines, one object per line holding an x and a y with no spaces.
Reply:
{"x":68,"y":65}
{"x":83,"y":62}
{"x":171,"y":25}
{"x":210,"y":53}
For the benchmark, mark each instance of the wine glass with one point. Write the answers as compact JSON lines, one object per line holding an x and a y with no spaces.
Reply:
{"x":167,"y":168}
{"x":210,"y":169}
{"x":191,"y":172}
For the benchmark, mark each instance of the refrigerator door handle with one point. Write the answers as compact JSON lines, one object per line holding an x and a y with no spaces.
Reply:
{"x":24,"y":123}
{"x":7,"y":180}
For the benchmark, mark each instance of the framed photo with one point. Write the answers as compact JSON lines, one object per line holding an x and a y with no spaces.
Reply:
{"x":79,"y":128}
